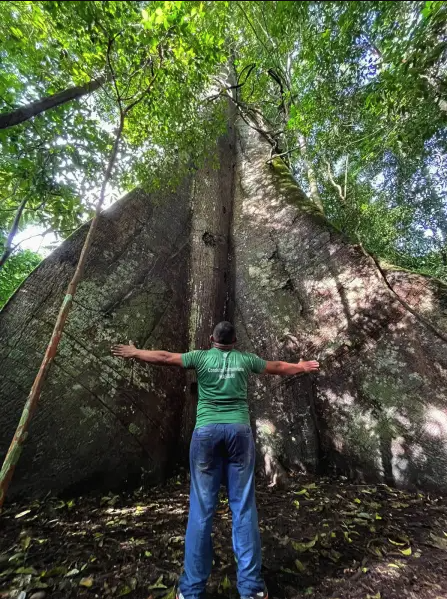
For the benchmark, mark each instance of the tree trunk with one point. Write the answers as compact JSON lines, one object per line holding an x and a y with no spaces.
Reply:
{"x":210,"y":273}
{"x":24,"y":113}
{"x":311,"y":176}
{"x":156,"y":275}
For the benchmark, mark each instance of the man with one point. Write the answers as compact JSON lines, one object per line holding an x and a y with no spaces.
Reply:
{"x":222,"y":448}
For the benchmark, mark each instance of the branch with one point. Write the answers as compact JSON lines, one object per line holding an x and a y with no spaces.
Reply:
{"x":24,"y":113}
{"x":346,"y":175}
{"x":283,"y":154}
{"x":239,"y":5}
{"x":13,"y":232}
{"x":146,"y":91}
{"x":337,"y":187}
{"x":226,"y":88}
{"x":112,"y":73}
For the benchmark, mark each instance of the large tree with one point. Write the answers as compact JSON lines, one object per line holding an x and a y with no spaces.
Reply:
{"x":331,"y":96}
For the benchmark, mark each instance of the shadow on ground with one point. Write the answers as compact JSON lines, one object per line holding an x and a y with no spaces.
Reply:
{"x":321,"y":538}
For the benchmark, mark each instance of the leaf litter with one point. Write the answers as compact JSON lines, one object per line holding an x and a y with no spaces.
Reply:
{"x":338,"y":540}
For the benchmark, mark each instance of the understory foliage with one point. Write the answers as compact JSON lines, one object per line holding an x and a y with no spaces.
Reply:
{"x":352,"y":94}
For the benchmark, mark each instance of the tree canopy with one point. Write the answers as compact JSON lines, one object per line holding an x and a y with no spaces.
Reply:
{"x":351,"y":94}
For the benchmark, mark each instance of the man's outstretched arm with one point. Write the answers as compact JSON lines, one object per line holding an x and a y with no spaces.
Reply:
{"x":289,"y":369}
{"x":162,"y":358}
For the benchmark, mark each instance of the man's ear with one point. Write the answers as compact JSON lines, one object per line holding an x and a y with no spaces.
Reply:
{"x":211,"y":339}
{"x":235,"y":339}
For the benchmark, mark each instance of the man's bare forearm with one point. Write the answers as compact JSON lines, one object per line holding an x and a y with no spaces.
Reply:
{"x":289,"y":369}
{"x":163,"y":358}
{"x":152,"y":356}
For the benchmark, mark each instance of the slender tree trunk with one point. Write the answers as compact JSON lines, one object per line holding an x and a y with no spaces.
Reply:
{"x":21,"y":433}
{"x":24,"y":113}
{"x":311,"y":176}
{"x":12,"y":233}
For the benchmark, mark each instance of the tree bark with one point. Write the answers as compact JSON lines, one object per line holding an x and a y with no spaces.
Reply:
{"x":24,"y":113}
{"x":302,"y":291}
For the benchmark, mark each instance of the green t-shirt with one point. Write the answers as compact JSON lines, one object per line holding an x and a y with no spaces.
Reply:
{"x":222,"y":379}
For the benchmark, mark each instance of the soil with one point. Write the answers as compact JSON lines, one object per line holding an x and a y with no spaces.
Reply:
{"x":322,"y":538}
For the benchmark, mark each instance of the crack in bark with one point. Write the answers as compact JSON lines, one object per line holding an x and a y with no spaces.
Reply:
{"x":292,"y":287}
{"x":426,"y":323}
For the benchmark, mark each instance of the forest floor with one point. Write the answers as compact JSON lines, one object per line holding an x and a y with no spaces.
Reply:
{"x":321,"y":538}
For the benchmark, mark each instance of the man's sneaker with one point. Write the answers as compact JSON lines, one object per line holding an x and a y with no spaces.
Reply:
{"x":261,"y":595}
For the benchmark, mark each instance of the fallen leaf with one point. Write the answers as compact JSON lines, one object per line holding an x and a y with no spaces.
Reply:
{"x":29,"y":570}
{"x":86,"y":582}
{"x":334,"y":555}
{"x":72,"y":572}
{"x":439,"y":542}
{"x":57,"y":571}
{"x":158,"y":584}
{"x":225,"y":584}
{"x":22,"y":514}
{"x":302,"y":547}
{"x":147,"y":554}
{"x":124,"y":590}
{"x":406,"y":551}
{"x":302,"y":492}
{"x":25,"y":542}
{"x":396,"y":543}
{"x":176,"y":540}
{"x":300,"y":566}
{"x":289,"y":571}
{"x":364,"y":515}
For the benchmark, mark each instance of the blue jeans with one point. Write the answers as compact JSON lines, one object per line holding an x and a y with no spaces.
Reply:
{"x":222,"y":452}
